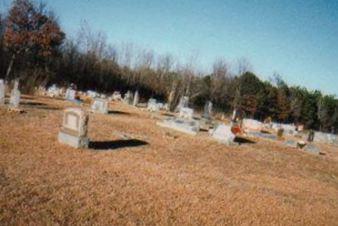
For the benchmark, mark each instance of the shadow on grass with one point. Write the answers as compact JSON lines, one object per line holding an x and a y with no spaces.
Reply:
{"x":33,"y":104}
{"x":49,"y":108}
{"x":118,"y":113}
{"x":242,"y":140}
{"x":116,"y":144}
{"x":168,"y":114}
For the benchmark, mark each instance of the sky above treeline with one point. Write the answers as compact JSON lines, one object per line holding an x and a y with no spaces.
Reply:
{"x":298,"y":39}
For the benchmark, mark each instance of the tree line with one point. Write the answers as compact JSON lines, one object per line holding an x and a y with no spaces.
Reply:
{"x":34,"y":48}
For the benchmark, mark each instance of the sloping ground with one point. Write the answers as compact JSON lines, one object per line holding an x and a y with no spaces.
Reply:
{"x":154,"y":176}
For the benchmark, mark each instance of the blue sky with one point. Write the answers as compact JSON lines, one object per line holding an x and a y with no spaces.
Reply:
{"x":297,"y":39}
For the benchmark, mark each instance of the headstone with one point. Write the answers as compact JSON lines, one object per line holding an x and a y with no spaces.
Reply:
{"x":92,"y":94}
{"x":207,"y":110}
{"x":184,"y":102}
{"x":128,"y":98}
{"x":312,"y":149}
{"x":186,"y":113}
{"x":136,"y":98}
{"x":185,"y":126}
{"x":2,"y":92}
{"x":262,"y":135}
{"x":100,"y":105}
{"x":252,"y":124}
{"x":117,"y":96}
{"x":152,"y":105}
{"x":14,"y":100}
{"x":54,"y":91}
{"x":326,"y":138}
{"x":74,"y":128}
{"x":223,"y":134}
{"x":70,"y":94}
{"x":291,"y":143}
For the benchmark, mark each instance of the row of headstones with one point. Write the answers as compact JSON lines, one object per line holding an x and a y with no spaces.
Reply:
{"x":75,"y":124}
{"x":14,"y":100}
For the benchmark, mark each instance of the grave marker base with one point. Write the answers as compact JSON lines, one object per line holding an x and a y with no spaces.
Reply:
{"x":73,"y":141}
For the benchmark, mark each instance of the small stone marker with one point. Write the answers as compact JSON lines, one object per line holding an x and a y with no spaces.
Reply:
{"x":2,"y":92}
{"x":291,"y":143}
{"x":70,"y":94}
{"x":128,"y":98}
{"x":312,"y":149}
{"x":223,"y":134}
{"x":14,"y":100}
{"x":116,"y":96}
{"x":207,"y":110}
{"x":186,"y":113}
{"x":74,"y":128}
{"x":186,"y":126}
{"x":53,"y":91}
{"x":152,"y":105}
{"x":136,"y":98}
{"x":100,"y":105}
{"x":184,"y":102}
{"x":92,"y":94}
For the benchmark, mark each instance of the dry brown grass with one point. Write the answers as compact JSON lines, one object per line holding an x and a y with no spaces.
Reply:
{"x":173,"y":180}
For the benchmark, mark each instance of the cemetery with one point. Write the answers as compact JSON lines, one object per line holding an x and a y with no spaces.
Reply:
{"x":168,"y":113}
{"x":78,"y":148}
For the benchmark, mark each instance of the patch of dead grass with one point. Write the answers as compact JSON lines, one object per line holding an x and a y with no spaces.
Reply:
{"x":174,"y":179}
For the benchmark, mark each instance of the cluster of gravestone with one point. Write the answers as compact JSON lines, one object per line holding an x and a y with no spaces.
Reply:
{"x":304,"y":140}
{"x":75,"y":120}
{"x":15,"y":95}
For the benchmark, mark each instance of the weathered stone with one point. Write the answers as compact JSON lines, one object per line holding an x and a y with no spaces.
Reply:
{"x":152,"y":105}
{"x":252,"y":124}
{"x":312,"y":149}
{"x":74,"y":128}
{"x":207,"y":110}
{"x":2,"y":92}
{"x":100,"y":106}
{"x":14,"y":100}
{"x":92,"y":94}
{"x":223,"y":134}
{"x":116,"y":96}
{"x":186,"y":126}
{"x":291,"y":143}
{"x":128,"y":98}
{"x":136,"y":98}
{"x":183,"y":103}
{"x":70,"y":94}
{"x":262,"y":135}
{"x":54,"y":91}
{"x":186,"y":113}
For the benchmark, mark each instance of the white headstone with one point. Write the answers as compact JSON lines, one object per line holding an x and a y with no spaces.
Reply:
{"x":153,"y":106}
{"x":184,"y":102}
{"x":207,"y":110}
{"x":136,"y":98}
{"x":92,"y":94}
{"x":74,"y":128}
{"x":116,"y":96}
{"x":2,"y":92}
{"x":223,"y":134}
{"x":14,"y":100}
{"x":252,"y":124}
{"x":70,"y":94}
{"x":186,"y":126}
{"x":54,"y":91}
{"x":128,"y":98}
{"x":100,"y":106}
{"x":186,"y":113}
